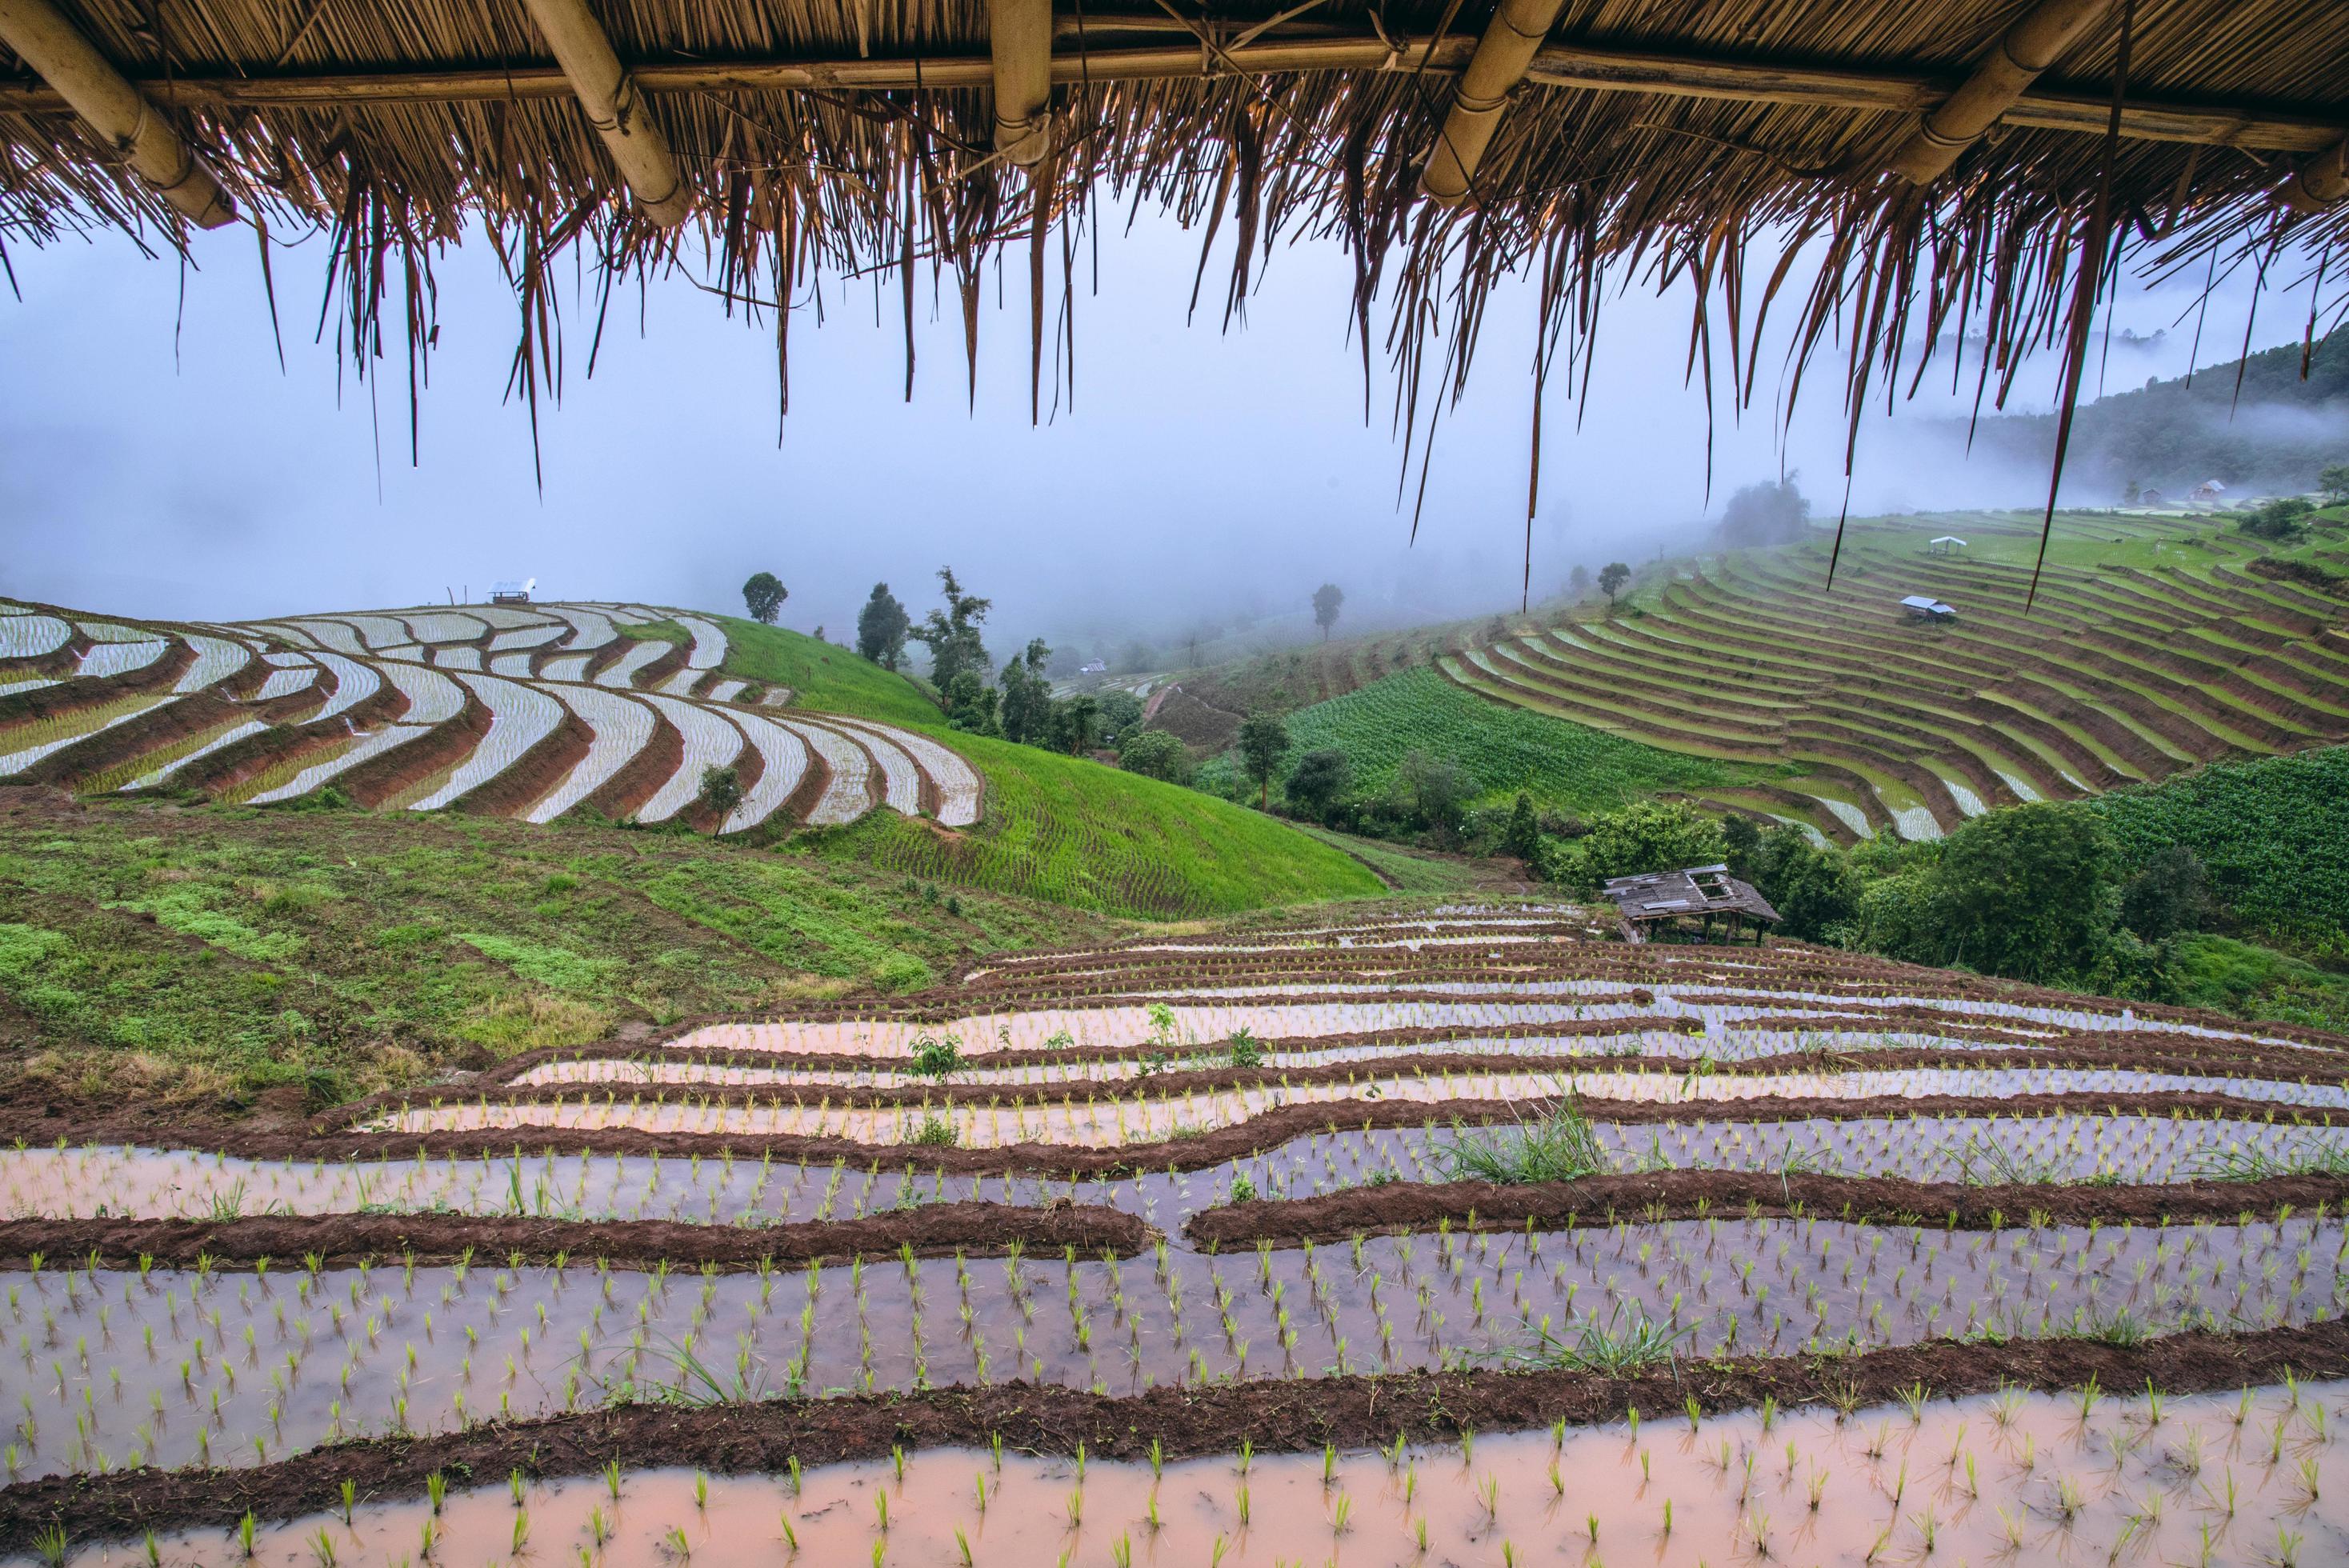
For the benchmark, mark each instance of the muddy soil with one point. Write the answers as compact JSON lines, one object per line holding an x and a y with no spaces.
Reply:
{"x":82,"y":1123}
{"x":338,"y":1240}
{"x":1699,"y":1194}
{"x":1276,"y":1416}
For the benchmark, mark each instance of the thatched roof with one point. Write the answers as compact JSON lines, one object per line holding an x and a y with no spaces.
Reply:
{"x":1655,"y":138}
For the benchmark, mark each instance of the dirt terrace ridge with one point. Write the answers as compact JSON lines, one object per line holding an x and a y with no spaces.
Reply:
{"x":1743,"y":1195}
{"x":1198,"y":1152}
{"x":1277,"y":1416}
{"x":340,"y":1240}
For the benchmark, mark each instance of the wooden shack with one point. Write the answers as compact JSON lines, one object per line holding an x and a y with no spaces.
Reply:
{"x":1702,"y":903}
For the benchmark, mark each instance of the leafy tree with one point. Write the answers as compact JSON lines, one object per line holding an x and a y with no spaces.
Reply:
{"x":1435,"y":789}
{"x":953,"y":635}
{"x":2025,"y":891}
{"x":1154,"y":754}
{"x":1522,"y":837}
{"x":972,"y":704}
{"x":1328,"y":599}
{"x":1645,"y":836}
{"x":1611,"y":578}
{"x":2280,"y":518}
{"x":1027,"y":705}
{"x":1766,"y":514}
{"x":764,"y":594}
{"x":1263,"y":742}
{"x":1121,"y":715}
{"x":882,"y":626}
{"x":1739,"y":839}
{"x":1318,"y":782}
{"x":721,"y":789}
{"x":1075,"y":723}
{"x":2131,"y":493}
{"x":1814,"y":887}
{"x":1577,"y":581}
{"x":2334,"y":480}
{"x":2170,"y":895}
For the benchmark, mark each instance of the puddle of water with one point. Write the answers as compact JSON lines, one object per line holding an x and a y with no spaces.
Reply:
{"x":2257,"y":1477}
{"x":175,"y":1367}
{"x":97,"y":1182}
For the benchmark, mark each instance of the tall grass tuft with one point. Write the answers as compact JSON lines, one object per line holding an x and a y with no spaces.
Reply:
{"x":1560,"y":1147}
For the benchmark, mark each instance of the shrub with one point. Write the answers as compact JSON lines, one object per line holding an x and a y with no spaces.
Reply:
{"x":1645,"y":836}
{"x":1248,"y":1051}
{"x":2280,"y":519}
{"x":937,"y":1058}
{"x":1154,"y":754}
{"x":1318,"y":782}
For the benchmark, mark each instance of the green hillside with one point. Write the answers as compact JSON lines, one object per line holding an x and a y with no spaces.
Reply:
{"x":1568,"y":767}
{"x":1074,"y":831}
{"x":1064,"y":829}
{"x":223,"y":950}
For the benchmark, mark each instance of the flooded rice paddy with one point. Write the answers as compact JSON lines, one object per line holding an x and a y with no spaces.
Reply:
{"x":2256,"y":1478}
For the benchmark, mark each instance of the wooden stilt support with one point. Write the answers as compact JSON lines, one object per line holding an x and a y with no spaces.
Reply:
{"x":1511,"y":40}
{"x":614,"y":107}
{"x":111,"y":107}
{"x":2033,"y":43}
{"x":1019,"y":48}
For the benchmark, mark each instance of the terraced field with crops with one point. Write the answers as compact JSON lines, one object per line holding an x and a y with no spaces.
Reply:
{"x":529,"y":711}
{"x":2155,"y":645}
{"x":1414,"y":1232}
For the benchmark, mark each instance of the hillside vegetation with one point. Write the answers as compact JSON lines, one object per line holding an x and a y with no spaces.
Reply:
{"x":224,"y":950}
{"x":1562,"y":765}
{"x":2156,"y":645}
{"x":1064,"y":829}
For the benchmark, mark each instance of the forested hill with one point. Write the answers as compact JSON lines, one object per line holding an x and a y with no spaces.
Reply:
{"x":2172,"y":435}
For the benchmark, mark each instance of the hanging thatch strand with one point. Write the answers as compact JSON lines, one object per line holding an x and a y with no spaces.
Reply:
{"x":1019,"y":46}
{"x":2037,"y":40}
{"x":1735,"y":146}
{"x":112,"y":107}
{"x":615,"y":109}
{"x":1510,"y":41}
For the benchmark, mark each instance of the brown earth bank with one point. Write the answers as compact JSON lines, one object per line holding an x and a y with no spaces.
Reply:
{"x":1175,"y":1080}
{"x":1277,"y":1416}
{"x":1651,"y":1197}
{"x":339,"y":1240}
{"x":82,"y":1123}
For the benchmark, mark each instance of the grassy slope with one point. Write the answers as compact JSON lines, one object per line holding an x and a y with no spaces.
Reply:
{"x":1064,"y":829}
{"x":1560,"y":764}
{"x":224,"y":949}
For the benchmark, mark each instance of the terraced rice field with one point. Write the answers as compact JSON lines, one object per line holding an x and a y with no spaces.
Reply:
{"x":1495,"y":1240}
{"x":2171,"y":655}
{"x":534,"y":712}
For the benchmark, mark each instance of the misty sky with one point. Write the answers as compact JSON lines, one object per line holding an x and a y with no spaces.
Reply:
{"x":163,"y":470}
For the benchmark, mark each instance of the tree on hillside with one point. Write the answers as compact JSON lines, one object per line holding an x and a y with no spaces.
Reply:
{"x":1811,"y":886}
{"x":1120,"y":716}
{"x":1434,"y":790}
{"x":2025,"y":891}
{"x":1766,"y":513}
{"x":2334,"y":480}
{"x":1577,"y":581}
{"x":2283,"y":518}
{"x":882,"y":626}
{"x":1075,"y":723}
{"x":952,"y":634}
{"x":2170,"y":895}
{"x":1027,"y":705}
{"x":1328,"y":599}
{"x":1263,"y":742}
{"x":1154,"y":754}
{"x":1522,"y":837}
{"x":1611,"y":578}
{"x":1318,"y":782}
{"x":1645,"y":836}
{"x":764,"y":594}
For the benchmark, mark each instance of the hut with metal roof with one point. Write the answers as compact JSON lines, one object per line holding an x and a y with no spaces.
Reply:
{"x":1702,"y":903}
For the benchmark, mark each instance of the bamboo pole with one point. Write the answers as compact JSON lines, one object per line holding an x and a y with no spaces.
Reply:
{"x":1512,"y":38}
{"x":615,"y":107}
{"x":116,"y":110}
{"x":1660,"y":71}
{"x":2033,"y":43}
{"x":1019,"y":54}
{"x":2320,"y":182}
